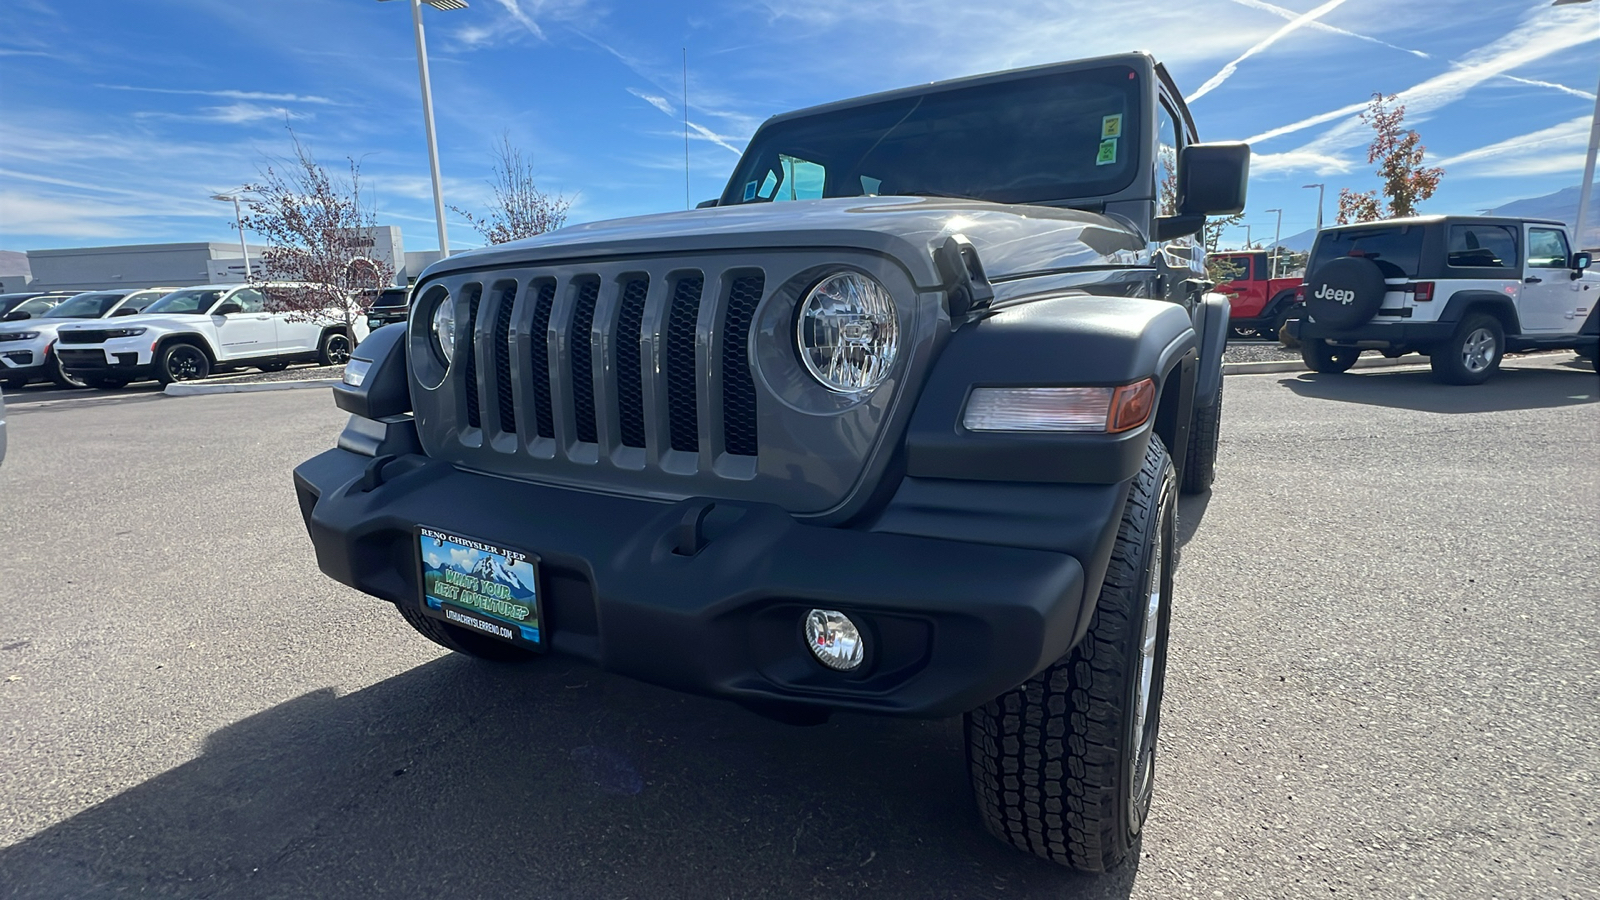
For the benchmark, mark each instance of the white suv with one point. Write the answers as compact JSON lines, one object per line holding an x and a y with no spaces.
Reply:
{"x":1464,"y":290}
{"x":190,"y":332}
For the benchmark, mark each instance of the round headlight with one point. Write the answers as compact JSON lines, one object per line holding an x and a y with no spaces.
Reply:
{"x":848,"y":333}
{"x":444,"y":328}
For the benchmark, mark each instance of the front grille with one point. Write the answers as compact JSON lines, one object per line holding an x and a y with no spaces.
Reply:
{"x":474,"y":417}
{"x":630,"y":385}
{"x":583,"y":361}
{"x":90,"y":335}
{"x":738,"y":386}
{"x":684,"y":419}
{"x":539,"y":361}
{"x":502,"y":359}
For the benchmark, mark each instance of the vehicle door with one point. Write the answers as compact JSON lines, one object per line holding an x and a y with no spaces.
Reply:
{"x":247,"y":331}
{"x":1549,"y":297}
{"x":298,"y":331}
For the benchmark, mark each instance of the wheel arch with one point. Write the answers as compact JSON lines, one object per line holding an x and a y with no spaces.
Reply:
{"x":184,"y":337}
{"x":1464,"y":303}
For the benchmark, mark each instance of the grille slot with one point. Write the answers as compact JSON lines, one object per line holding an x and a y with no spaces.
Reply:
{"x":682,"y":413}
{"x":474,"y":416}
{"x":583,"y":360}
{"x":502,"y":359}
{"x":539,"y":360}
{"x":738,"y":385}
{"x":630,"y":375}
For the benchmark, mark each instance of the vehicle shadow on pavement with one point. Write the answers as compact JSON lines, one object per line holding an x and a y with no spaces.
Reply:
{"x":464,"y":779}
{"x":1191,"y":512}
{"x":1511,"y":388}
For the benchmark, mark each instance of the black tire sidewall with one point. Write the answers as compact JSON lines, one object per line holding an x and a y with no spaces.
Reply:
{"x":1162,"y":569}
{"x":164,"y":368}
{"x":1345,"y":292}
{"x":61,"y":377}
{"x":1447,"y":360}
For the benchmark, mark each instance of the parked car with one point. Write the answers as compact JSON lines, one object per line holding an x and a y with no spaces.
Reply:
{"x":386,"y":306}
{"x":16,"y":307}
{"x":188,"y":333}
{"x":1260,"y":303}
{"x":897,"y":428}
{"x":27,"y":349}
{"x":1462,"y":290}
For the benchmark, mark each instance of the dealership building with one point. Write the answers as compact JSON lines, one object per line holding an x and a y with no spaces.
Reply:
{"x":180,"y":265}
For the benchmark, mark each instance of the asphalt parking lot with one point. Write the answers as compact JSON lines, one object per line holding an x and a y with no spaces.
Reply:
{"x":1384,"y":681}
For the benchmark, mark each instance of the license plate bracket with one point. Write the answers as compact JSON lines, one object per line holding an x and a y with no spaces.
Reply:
{"x":487,"y":588}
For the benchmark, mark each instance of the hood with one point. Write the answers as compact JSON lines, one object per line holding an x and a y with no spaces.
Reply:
{"x":1012,"y":240}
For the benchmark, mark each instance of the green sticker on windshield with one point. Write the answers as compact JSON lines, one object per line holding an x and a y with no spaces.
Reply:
{"x":1111,"y":126}
{"x":1108,"y":153}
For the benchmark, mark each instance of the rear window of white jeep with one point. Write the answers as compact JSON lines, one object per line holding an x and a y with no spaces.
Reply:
{"x":1397,"y":251}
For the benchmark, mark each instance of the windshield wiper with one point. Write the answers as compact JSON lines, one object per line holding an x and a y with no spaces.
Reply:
{"x":950,"y":194}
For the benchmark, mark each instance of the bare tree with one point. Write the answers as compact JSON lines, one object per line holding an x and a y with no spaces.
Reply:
{"x":1399,"y":154}
{"x":520,"y":209}
{"x":319,"y":231}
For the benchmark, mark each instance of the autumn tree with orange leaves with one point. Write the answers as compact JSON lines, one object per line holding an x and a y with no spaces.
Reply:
{"x":1398,"y":153}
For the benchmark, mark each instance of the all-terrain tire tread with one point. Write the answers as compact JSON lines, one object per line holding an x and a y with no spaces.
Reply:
{"x":1045,"y":756}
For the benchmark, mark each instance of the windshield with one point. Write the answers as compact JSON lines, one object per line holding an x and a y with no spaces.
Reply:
{"x":191,"y":301}
{"x":1050,"y":137}
{"x":86,"y":306}
{"x":1396,"y":250}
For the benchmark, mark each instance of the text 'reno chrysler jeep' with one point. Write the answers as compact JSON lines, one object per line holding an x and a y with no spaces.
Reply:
{"x":896,"y":427}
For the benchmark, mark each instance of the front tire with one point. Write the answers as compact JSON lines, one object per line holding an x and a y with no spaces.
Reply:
{"x":181,"y":362}
{"x":460,"y":640}
{"x":1319,"y":357}
{"x":1472,"y":353}
{"x":334,"y":349}
{"x":1200,"y":460}
{"x":1063,"y":765}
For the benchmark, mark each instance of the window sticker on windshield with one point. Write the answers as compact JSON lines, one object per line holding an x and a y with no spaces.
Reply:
{"x":1111,"y":127}
{"x":768,"y":185}
{"x":1108,"y":153}
{"x":750,"y":191}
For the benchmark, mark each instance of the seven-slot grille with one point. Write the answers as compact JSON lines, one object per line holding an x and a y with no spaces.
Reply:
{"x":605,"y":317}
{"x":90,"y":335}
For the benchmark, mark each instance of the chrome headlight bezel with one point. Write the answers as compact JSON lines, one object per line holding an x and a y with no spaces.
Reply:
{"x":442,"y":328}
{"x":847,"y":332}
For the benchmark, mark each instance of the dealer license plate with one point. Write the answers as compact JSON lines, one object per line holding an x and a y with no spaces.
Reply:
{"x":488,"y":589}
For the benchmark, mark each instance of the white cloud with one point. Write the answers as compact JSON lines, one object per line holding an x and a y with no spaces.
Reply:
{"x":1325,"y":27}
{"x":1293,"y":25}
{"x":1548,"y":84}
{"x":705,"y":134}
{"x":1298,"y":161}
{"x":232,"y":114}
{"x":1548,"y":151}
{"x":228,"y":94}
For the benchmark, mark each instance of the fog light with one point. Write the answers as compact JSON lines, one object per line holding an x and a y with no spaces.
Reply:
{"x":835,"y":640}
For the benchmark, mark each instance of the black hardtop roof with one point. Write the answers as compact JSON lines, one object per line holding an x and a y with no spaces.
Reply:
{"x":1137,"y":60}
{"x":1443,"y":220}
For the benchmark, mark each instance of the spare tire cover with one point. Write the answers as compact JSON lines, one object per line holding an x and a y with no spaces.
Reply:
{"x":1344,"y":292}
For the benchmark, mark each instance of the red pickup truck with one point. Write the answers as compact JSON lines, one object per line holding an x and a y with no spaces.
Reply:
{"x":1260,"y":304}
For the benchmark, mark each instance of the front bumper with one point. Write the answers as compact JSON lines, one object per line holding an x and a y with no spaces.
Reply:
{"x":104,"y":362}
{"x":950,"y":624}
{"x":24,"y":359}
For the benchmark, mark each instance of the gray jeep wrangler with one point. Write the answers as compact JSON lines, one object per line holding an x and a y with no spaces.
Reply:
{"x":895,"y":427}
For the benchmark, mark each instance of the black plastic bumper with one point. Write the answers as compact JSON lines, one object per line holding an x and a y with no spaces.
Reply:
{"x":718,"y":610}
{"x":1393,"y":334}
{"x":93,"y":363}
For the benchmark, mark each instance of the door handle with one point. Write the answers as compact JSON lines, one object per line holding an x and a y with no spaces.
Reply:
{"x":1532,"y":280}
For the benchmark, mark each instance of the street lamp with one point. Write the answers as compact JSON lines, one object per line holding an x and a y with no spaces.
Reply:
{"x":238,"y":222}
{"x":1319,"y":188}
{"x":1276,"y":233}
{"x":1586,"y":190}
{"x":427,"y":110}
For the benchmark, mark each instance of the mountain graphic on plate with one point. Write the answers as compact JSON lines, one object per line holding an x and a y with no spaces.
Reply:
{"x":492,"y":568}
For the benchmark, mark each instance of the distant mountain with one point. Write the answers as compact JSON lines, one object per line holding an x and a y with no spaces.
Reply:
{"x":1561,"y":206}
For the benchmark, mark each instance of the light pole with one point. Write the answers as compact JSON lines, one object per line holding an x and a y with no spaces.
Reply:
{"x":238,"y":222}
{"x":1586,"y":190}
{"x":1247,"y":244}
{"x":427,"y":110}
{"x":1319,"y":188}
{"x":1276,"y":233}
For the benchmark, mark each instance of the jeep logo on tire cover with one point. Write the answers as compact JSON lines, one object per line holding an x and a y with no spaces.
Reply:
{"x":1327,"y":293}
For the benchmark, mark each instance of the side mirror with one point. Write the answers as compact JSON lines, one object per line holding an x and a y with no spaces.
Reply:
{"x":1212,"y":179}
{"x":16,"y":315}
{"x":1581,"y":260}
{"x":227,"y":309}
{"x":707,"y":204}
{"x":124,"y":311}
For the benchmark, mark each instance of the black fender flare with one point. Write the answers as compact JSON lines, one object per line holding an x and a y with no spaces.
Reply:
{"x":1280,"y":301}
{"x":184,"y":337}
{"x":1211,"y":325}
{"x":1493,"y":302}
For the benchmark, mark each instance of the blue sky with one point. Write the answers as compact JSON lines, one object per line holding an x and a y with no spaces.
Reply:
{"x":120,"y":118}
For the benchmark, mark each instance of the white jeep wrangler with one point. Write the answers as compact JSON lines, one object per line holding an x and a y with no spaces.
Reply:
{"x":190,"y":332}
{"x":1462,"y":290}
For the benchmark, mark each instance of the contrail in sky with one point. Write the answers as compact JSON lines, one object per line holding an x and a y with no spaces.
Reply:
{"x":1330,"y":29}
{"x":1292,"y":25}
